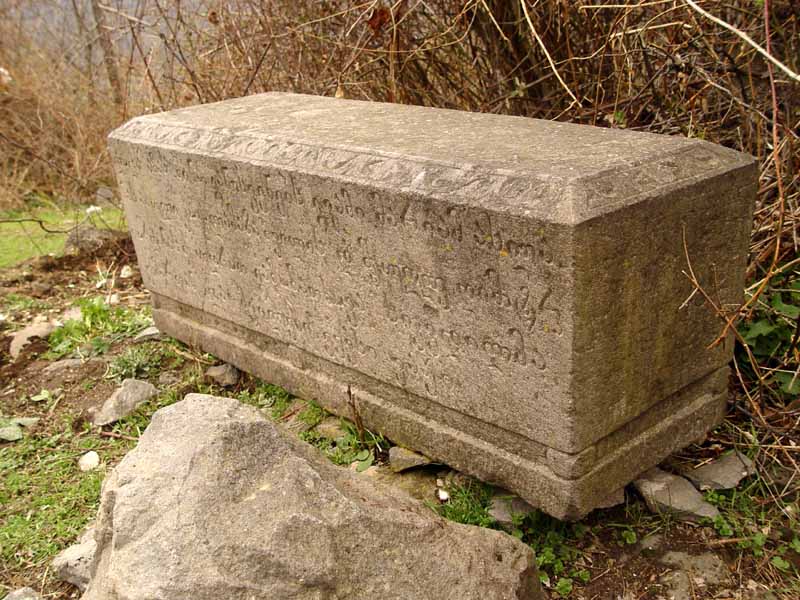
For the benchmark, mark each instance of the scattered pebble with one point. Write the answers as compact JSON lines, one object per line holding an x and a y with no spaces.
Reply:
{"x":148,"y":335}
{"x":443,"y":495}
{"x":402,"y":459}
{"x":89,"y":461}
{"x":225,"y":375}
{"x":126,"y":272}
{"x":722,"y":473}
{"x":505,"y":506}
{"x":130,"y":395}
{"x":73,"y":564}
{"x":331,"y":428}
{"x":665,"y":492}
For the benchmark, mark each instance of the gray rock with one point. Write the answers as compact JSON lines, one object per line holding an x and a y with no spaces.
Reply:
{"x":402,"y":459}
{"x":168,"y":378}
{"x":150,"y":334}
{"x":65,"y":364}
{"x":126,"y":399}
{"x":225,"y":375}
{"x":665,"y":492}
{"x":331,"y":428}
{"x":693,"y":573}
{"x":86,"y":238}
{"x":11,"y":429}
{"x":74,"y":313}
{"x":73,"y":564}
{"x":25,"y":593}
{"x":217,"y":502}
{"x":505,"y":506}
{"x":723,"y":473}
{"x":23,"y":337}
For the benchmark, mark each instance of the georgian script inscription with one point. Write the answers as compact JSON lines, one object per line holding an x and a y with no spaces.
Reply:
{"x":419,"y":293}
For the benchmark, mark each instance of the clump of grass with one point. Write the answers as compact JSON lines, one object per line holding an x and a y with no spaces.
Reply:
{"x":351,"y":447}
{"x":312,"y":415}
{"x":100,"y":326}
{"x":267,"y":396}
{"x":142,"y":360}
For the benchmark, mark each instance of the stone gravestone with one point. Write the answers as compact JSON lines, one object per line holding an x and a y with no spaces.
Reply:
{"x":504,"y":294}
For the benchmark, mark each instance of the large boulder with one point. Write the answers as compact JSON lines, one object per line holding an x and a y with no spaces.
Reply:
{"x":215,"y":502}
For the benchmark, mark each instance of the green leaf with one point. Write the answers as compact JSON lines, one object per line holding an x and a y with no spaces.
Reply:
{"x":789,"y":384}
{"x":564,"y":587}
{"x":362,"y":455}
{"x":795,"y":545}
{"x":583,"y":575}
{"x":787,"y":310}
{"x":762,"y":327}
{"x":780,"y":563}
{"x":41,"y":396}
{"x":629,"y":536}
{"x":365,"y":464}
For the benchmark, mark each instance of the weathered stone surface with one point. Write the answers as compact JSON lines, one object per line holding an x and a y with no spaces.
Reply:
{"x":125,"y":399}
{"x":225,"y":375}
{"x":501,"y":294}
{"x":402,"y":459}
{"x":505,"y":507}
{"x":148,"y":334}
{"x":22,"y":338}
{"x":25,"y":593}
{"x":723,"y":473}
{"x":73,"y":564}
{"x":246,"y":512}
{"x":665,"y":492}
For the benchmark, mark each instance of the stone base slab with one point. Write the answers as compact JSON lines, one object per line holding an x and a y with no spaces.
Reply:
{"x":567,"y":486}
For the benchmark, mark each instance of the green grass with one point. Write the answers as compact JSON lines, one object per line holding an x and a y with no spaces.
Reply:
{"x":143,"y":360}
{"x":100,"y":326}
{"x":45,"y":500}
{"x":20,"y":241}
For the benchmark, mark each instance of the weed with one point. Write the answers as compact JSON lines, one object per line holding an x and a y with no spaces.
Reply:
{"x":142,"y":361}
{"x":267,"y":396}
{"x":312,"y":415}
{"x":468,"y":504}
{"x":20,"y":302}
{"x":100,"y":326}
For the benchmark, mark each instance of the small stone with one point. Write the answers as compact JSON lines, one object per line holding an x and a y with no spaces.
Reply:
{"x":331,"y":428}
{"x":89,"y":461}
{"x":65,"y":364}
{"x":225,"y":375}
{"x":402,"y":459}
{"x":112,"y":299}
{"x":168,"y":378}
{"x":126,"y":272}
{"x":10,"y":433}
{"x":73,"y":313}
{"x":86,"y":238}
{"x":505,"y":506}
{"x":723,"y":473}
{"x":124,"y":401}
{"x":73,"y":564}
{"x":443,"y":495}
{"x":24,"y":336}
{"x":651,"y":542}
{"x":665,"y":492}
{"x":25,"y":593}
{"x":148,"y":335}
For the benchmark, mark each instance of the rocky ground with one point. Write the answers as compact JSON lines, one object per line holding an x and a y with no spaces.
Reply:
{"x":82,"y":371}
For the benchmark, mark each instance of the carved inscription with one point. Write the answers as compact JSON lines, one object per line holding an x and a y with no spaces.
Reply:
{"x":413,"y":291}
